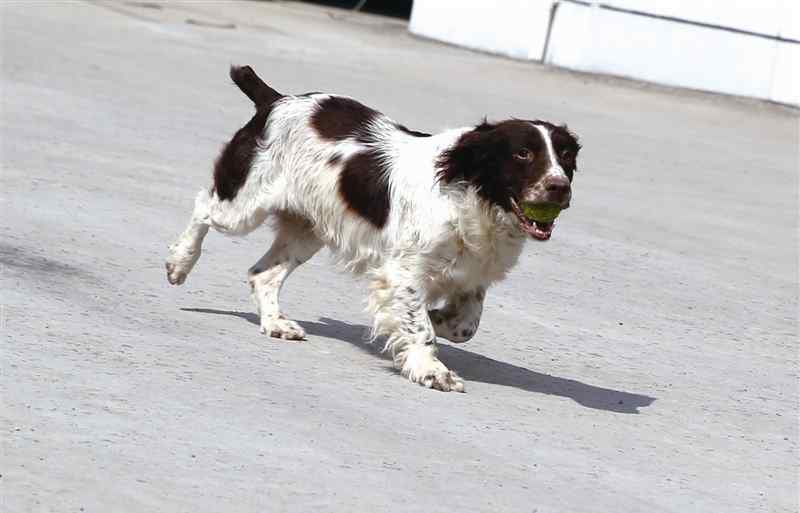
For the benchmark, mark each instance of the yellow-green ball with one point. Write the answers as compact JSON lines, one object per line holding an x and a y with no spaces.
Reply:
{"x":542,"y":212}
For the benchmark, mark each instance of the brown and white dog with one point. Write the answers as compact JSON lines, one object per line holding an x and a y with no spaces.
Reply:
{"x":432,"y":220}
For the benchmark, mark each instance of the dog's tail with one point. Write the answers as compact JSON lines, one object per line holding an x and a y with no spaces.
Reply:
{"x":255,"y":88}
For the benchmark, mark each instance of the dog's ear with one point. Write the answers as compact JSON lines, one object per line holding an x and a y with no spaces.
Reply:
{"x":477,"y":153}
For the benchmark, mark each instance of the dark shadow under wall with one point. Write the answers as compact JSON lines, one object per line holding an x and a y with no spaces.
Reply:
{"x":393,"y":8}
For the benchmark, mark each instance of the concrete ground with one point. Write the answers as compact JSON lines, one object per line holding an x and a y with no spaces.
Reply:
{"x":644,"y":360}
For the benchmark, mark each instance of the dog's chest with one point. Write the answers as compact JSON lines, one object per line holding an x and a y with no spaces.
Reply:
{"x":469,"y":264}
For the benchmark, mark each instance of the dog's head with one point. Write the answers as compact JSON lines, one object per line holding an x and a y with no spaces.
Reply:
{"x":515,"y":163}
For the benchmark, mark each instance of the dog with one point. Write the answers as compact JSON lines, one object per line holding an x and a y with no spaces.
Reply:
{"x":431,"y":220}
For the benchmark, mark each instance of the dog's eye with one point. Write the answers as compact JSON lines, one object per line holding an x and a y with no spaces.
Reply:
{"x":524,"y":154}
{"x":566,"y":154}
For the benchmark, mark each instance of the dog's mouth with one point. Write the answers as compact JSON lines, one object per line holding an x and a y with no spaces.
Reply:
{"x":537,"y":229}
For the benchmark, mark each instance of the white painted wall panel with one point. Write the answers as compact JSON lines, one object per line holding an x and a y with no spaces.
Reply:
{"x":516,"y":28}
{"x":772,"y":17}
{"x":603,"y":41}
{"x":790,"y":24}
{"x":786,"y":83}
{"x":662,"y":51}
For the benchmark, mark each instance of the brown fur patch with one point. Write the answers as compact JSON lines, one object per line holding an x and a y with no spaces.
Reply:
{"x":413,"y":133}
{"x":364,"y":187}
{"x":233,"y":164}
{"x":338,"y":118}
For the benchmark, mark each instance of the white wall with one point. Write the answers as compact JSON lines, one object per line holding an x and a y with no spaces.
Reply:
{"x":590,"y":38}
{"x":772,"y":17}
{"x":516,"y":28}
{"x":604,"y":41}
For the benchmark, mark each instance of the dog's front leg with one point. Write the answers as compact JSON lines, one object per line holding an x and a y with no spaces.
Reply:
{"x":401,"y":313}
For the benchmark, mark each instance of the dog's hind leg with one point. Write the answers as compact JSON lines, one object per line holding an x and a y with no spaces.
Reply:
{"x":238,"y":217}
{"x":294,"y":243}
{"x":185,"y":251}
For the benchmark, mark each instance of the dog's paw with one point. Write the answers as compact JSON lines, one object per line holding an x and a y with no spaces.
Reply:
{"x":180,"y":263}
{"x":282,"y":328}
{"x":421,"y":366}
{"x":447,"y":381}
{"x":175,"y":275}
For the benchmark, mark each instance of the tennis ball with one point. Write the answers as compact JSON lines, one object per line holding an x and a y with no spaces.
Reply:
{"x":542,"y":212}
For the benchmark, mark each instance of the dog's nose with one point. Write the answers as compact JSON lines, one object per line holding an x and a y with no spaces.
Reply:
{"x":558,"y":189}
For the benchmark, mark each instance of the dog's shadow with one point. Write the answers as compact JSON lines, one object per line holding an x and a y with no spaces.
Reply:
{"x":475,"y":367}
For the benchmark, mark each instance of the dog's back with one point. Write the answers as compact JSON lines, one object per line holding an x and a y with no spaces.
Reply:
{"x":333,"y":161}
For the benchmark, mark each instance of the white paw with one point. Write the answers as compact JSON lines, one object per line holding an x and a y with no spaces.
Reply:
{"x":421,"y":366}
{"x":447,"y":381}
{"x":286,"y":329}
{"x":175,"y":275}
{"x":179,"y":264}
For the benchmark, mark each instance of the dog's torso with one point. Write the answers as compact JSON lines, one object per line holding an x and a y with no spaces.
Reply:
{"x":395,"y":205}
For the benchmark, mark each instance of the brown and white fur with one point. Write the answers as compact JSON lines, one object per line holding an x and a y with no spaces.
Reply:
{"x":430,"y":219}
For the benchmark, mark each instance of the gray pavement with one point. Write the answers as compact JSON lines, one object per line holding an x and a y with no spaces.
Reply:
{"x":644,"y":360}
